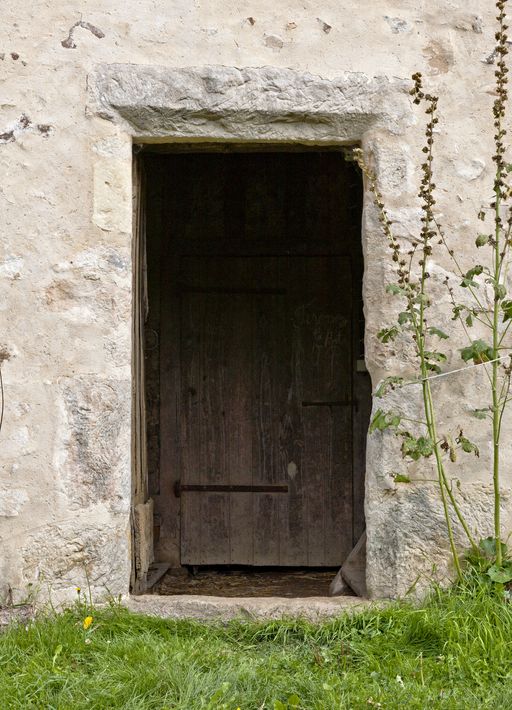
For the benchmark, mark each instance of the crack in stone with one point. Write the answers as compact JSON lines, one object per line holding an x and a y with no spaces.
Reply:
{"x":69,"y":43}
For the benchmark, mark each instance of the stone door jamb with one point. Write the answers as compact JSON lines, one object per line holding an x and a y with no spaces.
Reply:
{"x":132,"y":104}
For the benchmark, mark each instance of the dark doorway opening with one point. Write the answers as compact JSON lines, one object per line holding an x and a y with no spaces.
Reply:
{"x":257,"y":399}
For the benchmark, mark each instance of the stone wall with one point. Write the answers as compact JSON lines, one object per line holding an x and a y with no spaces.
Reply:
{"x":65,"y":262}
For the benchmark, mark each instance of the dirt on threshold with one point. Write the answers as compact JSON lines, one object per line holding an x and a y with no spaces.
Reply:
{"x":247,"y":582}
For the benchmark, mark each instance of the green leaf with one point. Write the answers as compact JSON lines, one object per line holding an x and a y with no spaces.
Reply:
{"x":388,"y":384}
{"x":401,"y":478}
{"x":475,"y":271}
{"x":468,"y":446}
{"x":468,"y":278}
{"x":482,"y":240}
{"x":433,"y":368}
{"x":378,"y":422}
{"x":434,"y":355}
{"x":457,"y":310}
{"x":469,"y":320}
{"x":479,"y":351}
{"x":387,"y":334}
{"x":500,"y":291}
{"x":480,"y":413}
{"x":488,"y":547}
{"x":425,"y":446}
{"x":417,"y":448}
{"x":404,"y":317}
{"x":500,"y":574}
{"x":466,"y":283}
{"x":421,"y":298}
{"x":394,"y":290}
{"x":384,"y":420}
{"x":506,"y":307}
{"x":437,"y":331}
{"x":294,"y":701}
{"x":278,"y":705}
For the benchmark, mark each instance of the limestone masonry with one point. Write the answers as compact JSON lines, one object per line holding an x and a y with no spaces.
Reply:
{"x":80,"y":83}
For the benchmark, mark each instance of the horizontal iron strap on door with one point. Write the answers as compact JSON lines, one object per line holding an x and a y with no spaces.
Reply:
{"x":226,"y":488}
{"x":228,"y":290}
{"x":337,"y":403}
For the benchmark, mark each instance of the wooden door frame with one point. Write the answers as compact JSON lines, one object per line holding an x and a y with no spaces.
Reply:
{"x":141,"y":510}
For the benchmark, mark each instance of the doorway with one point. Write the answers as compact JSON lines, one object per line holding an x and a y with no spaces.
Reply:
{"x":257,"y":399}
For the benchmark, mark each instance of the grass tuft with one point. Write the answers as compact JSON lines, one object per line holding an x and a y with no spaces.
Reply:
{"x":454,"y":651}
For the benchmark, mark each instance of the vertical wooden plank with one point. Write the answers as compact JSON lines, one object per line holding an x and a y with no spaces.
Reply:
{"x":328,"y":471}
{"x":361,"y":421}
{"x":170,"y":458}
{"x":217,"y":376}
{"x":317,"y":467}
{"x":141,"y":508}
{"x":233,"y":237}
{"x":338,"y":488}
{"x":266,"y":530}
{"x":291,"y":434}
{"x":154,"y":215}
{"x":326,"y":304}
{"x":238,"y":418}
{"x":264,"y":182}
{"x":205,"y":517}
{"x":322,"y":297}
{"x":191,"y":454}
{"x":173,"y":196}
{"x":267,"y":384}
{"x":288,"y":431}
{"x":213,"y":388}
{"x":139,"y":479}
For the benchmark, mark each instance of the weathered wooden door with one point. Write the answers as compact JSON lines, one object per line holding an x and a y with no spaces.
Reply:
{"x":265,"y":420}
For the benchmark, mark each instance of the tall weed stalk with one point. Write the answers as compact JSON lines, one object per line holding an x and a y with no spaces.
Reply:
{"x":487,"y":307}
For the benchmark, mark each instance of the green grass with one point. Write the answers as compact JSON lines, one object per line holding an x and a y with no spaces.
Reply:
{"x":455,"y":651}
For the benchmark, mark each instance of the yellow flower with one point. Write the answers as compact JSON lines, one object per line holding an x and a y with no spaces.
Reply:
{"x":78,"y":590}
{"x":87,"y":622}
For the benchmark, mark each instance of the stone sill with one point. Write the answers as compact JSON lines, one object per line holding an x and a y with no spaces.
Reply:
{"x":207,"y":608}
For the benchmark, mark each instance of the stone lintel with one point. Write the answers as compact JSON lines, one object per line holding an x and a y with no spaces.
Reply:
{"x":251,"y":104}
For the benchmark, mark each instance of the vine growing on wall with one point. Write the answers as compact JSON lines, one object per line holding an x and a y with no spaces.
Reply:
{"x":480,"y":301}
